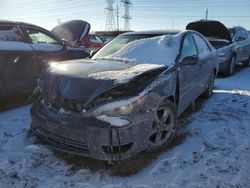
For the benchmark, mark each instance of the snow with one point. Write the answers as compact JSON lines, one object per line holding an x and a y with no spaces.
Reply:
{"x":114,"y":121}
{"x":211,"y":150}
{"x":124,"y":76}
{"x":156,"y":50}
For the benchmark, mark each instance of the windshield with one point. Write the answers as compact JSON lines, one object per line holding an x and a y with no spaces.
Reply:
{"x":116,"y":44}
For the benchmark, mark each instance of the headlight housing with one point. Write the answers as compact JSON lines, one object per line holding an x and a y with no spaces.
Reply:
{"x":122,"y":107}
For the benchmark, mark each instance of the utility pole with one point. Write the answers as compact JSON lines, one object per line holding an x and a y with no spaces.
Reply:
{"x":110,"y":18}
{"x":206,"y":14}
{"x":117,"y":17}
{"x":127,"y":4}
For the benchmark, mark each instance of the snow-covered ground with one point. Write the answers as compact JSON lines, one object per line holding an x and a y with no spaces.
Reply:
{"x":212,"y":150}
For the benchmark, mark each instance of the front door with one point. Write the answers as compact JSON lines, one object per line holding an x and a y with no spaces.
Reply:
{"x":46,"y":46}
{"x":187,"y":74}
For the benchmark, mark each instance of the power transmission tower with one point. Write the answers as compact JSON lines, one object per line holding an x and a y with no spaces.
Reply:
{"x":127,"y":4}
{"x":110,"y":17}
{"x":117,"y":17}
{"x":206,"y":14}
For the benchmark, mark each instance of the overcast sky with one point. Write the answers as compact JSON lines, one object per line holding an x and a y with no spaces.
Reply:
{"x":146,"y":14}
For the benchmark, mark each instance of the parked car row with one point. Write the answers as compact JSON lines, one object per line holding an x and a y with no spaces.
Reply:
{"x":128,"y":96}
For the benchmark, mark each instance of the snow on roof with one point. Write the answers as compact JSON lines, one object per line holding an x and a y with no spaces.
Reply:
{"x":156,"y":50}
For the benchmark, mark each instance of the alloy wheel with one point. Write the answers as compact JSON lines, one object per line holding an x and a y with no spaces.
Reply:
{"x":163,"y":126}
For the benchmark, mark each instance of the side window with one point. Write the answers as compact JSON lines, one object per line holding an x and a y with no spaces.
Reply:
{"x":245,"y":34}
{"x":38,"y":37}
{"x":188,"y":47}
{"x":94,"y":38}
{"x":202,"y":46}
{"x":10,"y":33}
{"x":240,"y":36}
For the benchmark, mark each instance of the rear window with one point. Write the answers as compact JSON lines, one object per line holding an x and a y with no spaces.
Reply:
{"x":10,"y":33}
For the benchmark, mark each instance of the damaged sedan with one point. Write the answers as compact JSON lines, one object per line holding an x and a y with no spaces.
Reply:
{"x":127,"y":98}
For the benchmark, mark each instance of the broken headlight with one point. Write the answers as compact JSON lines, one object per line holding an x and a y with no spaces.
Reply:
{"x":122,"y":107}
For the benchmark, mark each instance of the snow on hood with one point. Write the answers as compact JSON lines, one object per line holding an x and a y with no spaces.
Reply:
{"x":156,"y":50}
{"x":124,"y":76}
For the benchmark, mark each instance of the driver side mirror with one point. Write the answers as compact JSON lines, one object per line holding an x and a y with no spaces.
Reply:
{"x":190,"y":60}
{"x":92,"y":53}
{"x":64,"y":43}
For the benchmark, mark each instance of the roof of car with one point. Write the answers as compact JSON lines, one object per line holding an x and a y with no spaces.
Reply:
{"x":237,"y":27}
{"x":16,"y":23}
{"x":151,"y":32}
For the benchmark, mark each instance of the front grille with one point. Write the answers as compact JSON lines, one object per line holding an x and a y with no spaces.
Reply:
{"x":61,"y":142}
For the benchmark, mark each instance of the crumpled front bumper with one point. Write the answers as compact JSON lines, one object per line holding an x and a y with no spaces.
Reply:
{"x":88,"y":136}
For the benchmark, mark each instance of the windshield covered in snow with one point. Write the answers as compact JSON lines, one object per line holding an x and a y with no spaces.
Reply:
{"x":155,"y":50}
{"x":116,"y":44}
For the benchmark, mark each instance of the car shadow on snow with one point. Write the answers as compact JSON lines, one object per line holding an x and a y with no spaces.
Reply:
{"x":133,"y":165}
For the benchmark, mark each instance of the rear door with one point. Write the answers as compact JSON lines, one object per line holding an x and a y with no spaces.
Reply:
{"x":187,"y":74}
{"x":205,"y":64}
{"x":15,"y":54}
{"x":240,"y":40}
{"x":246,"y":44}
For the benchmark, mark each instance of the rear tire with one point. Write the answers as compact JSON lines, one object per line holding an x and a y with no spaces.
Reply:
{"x":164,"y":126}
{"x":209,"y":91}
{"x":231,"y":66}
{"x":246,"y":63}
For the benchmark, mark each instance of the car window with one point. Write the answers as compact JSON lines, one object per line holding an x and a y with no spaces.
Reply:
{"x":41,"y":37}
{"x":115,"y":45}
{"x":10,"y":33}
{"x":240,"y":35}
{"x":188,"y":47}
{"x":202,"y":46}
{"x":244,"y":34}
{"x":94,"y":38}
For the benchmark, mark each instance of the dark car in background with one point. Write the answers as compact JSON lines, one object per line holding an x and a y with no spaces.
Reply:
{"x":26,"y":49}
{"x":127,"y":98}
{"x":220,"y":37}
{"x":241,"y":40}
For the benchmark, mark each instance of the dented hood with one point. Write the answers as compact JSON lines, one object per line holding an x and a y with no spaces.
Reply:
{"x":84,"y":80}
{"x":210,"y":28}
{"x":73,"y":31}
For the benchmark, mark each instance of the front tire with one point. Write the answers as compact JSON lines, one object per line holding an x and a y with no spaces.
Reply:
{"x":164,"y":126}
